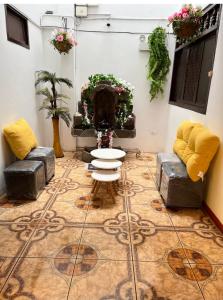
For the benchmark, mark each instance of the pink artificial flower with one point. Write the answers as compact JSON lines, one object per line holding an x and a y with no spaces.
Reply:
{"x":185,"y":15}
{"x":119,"y":89}
{"x":72,"y":41}
{"x":184,"y":10}
{"x":175,"y":15}
{"x":179,"y":15}
{"x":170,"y":19}
{"x":59,"y":38}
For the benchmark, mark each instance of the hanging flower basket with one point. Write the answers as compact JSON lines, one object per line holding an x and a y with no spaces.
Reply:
{"x":186,"y":22}
{"x":63,"y":40}
{"x":186,"y":29}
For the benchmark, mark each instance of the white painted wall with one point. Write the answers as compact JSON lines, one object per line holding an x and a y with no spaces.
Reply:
{"x":214,"y":121}
{"x":35,"y":11}
{"x":17,"y":78}
{"x":153,"y":11}
{"x":63,"y":66}
{"x":51,"y":63}
{"x":17,"y":92}
{"x":118,"y":53}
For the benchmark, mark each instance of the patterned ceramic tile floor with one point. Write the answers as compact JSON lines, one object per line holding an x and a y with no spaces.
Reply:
{"x":64,"y":246}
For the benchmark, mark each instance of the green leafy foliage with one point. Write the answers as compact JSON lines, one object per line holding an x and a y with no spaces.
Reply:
{"x":159,"y":61}
{"x":54,"y":102}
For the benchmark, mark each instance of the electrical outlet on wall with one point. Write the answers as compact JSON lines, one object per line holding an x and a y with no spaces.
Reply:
{"x":143,"y":43}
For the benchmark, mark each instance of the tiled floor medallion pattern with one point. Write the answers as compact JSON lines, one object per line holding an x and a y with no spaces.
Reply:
{"x":65,"y":245}
{"x":178,"y":261}
{"x":86,"y":260}
{"x":82,"y":257}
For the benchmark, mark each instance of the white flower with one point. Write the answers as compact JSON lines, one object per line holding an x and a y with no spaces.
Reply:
{"x":84,"y":86}
{"x":53,"y":34}
{"x":70,"y":34}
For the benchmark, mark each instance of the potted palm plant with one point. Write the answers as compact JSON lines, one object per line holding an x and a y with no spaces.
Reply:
{"x":54,"y":104}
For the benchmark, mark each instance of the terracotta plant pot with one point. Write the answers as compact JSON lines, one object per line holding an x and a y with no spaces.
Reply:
{"x":186,"y":29}
{"x":56,"y":138}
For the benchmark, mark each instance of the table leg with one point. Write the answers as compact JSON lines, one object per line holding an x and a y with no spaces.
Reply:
{"x":114,"y":185}
{"x":94,"y":186}
{"x":98,"y":184}
{"x":110,"y":188}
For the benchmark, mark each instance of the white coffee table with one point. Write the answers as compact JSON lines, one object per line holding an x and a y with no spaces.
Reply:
{"x":108,"y":153}
{"x":106,"y":164}
{"x":107,"y":161}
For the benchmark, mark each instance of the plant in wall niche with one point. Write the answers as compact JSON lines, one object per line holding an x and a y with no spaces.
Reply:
{"x":159,"y":61}
{"x":124,"y":92}
{"x":54,"y":104}
{"x":63,"y":40}
{"x":186,"y":22}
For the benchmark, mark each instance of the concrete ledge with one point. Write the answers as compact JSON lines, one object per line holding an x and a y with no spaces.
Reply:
{"x":118,"y":133}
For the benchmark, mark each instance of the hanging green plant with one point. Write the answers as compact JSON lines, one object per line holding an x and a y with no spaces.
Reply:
{"x":159,"y":61}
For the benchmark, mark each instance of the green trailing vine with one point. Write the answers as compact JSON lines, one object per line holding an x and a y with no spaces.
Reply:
{"x":159,"y":61}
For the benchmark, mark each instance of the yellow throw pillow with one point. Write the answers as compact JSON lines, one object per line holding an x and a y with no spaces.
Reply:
{"x":203,"y":145}
{"x":183,"y":133}
{"x":20,"y":137}
{"x":196,"y":147}
{"x":184,"y":130}
{"x":180,"y":146}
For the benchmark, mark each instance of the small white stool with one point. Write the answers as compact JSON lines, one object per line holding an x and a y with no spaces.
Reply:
{"x":108,"y":177}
